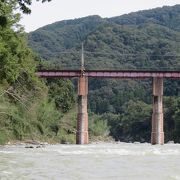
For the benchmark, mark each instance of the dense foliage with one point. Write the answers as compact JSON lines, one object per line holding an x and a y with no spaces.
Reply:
{"x":24,"y":5}
{"x":141,"y":40}
{"x":29,"y":108}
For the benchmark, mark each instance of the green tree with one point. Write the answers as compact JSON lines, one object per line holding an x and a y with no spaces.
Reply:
{"x":20,"y":90}
{"x":137,"y":120}
{"x":6,"y":7}
{"x":24,"y":5}
{"x":16,"y":57}
{"x":62,"y":91}
{"x":171,"y":118}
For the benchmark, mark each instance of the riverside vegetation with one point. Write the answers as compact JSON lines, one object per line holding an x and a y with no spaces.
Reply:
{"x":44,"y":110}
{"x":30,"y":108}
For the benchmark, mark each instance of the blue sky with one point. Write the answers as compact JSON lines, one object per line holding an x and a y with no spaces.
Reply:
{"x":57,"y":10}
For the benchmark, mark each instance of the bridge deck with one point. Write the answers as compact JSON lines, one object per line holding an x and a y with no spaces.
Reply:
{"x":108,"y":73}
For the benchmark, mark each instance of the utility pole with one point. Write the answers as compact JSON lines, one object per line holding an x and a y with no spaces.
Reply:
{"x":82,"y":61}
{"x":82,"y":56}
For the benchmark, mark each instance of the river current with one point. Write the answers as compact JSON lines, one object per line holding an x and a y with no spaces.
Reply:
{"x":104,"y":161}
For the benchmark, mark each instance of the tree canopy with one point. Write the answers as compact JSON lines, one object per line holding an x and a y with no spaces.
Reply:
{"x":24,"y":5}
{"x":6,"y":7}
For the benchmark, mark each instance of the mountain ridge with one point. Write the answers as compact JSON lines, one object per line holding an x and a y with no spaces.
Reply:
{"x":49,"y":40}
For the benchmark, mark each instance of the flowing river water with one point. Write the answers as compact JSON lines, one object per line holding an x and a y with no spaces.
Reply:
{"x":104,"y":161}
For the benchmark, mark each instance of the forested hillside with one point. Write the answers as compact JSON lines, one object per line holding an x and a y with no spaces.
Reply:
{"x":31,"y":109}
{"x":141,"y":40}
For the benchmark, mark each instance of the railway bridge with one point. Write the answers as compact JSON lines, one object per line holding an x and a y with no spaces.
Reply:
{"x":157,"y":133}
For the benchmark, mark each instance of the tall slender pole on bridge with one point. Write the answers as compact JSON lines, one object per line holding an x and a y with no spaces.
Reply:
{"x":82,"y":136}
{"x":82,"y":58}
{"x":157,"y":134}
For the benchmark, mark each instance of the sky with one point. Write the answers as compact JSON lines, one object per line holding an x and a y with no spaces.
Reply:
{"x":57,"y":10}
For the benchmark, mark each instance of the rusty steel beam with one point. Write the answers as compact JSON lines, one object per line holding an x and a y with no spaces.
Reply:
{"x":108,"y":74}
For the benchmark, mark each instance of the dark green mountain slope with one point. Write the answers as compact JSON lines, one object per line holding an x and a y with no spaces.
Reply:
{"x":153,"y":35}
{"x":143,"y":40}
{"x":127,"y":47}
{"x":166,"y":16}
{"x":48,"y":41}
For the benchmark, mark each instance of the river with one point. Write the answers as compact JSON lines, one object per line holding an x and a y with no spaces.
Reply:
{"x":104,"y":161}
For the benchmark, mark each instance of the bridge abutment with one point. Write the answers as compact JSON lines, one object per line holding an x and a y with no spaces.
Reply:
{"x":82,"y":136}
{"x":157,"y":134}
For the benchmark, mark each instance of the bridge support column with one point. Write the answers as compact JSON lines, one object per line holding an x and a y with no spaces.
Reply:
{"x":82,"y":136}
{"x":157,"y":134}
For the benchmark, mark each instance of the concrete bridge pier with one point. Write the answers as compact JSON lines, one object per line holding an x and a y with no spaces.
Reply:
{"x":157,"y":134}
{"x":82,"y":136}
